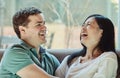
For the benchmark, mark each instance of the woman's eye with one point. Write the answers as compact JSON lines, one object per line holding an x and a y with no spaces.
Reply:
{"x":88,"y":24}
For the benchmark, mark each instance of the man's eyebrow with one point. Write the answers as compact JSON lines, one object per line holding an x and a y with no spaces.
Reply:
{"x":40,"y":21}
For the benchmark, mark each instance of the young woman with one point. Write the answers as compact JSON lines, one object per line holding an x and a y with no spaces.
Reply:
{"x":98,"y":59}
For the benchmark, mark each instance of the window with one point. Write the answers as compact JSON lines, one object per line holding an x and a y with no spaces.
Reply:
{"x":63,"y":18}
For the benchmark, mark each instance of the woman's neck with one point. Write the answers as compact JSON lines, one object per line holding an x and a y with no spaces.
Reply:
{"x":91,"y":54}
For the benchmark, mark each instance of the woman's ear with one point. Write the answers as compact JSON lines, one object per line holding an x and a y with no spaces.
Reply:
{"x":101,"y":32}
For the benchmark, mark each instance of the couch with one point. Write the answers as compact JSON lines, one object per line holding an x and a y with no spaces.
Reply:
{"x":59,"y":53}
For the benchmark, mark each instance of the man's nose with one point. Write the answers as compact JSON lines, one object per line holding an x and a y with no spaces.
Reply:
{"x":44,"y":27}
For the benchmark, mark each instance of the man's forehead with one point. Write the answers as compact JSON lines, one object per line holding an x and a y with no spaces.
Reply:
{"x":42,"y":16}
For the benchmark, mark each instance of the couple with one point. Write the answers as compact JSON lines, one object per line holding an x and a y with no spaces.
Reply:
{"x":29,"y":60}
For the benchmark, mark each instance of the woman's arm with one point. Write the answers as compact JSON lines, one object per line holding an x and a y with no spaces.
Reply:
{"x":61,"y":70}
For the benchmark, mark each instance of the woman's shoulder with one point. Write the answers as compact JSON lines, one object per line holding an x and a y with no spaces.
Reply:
{"x":109,"y":55}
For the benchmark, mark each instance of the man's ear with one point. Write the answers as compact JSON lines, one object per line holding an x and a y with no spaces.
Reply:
{"x":22,"y":29}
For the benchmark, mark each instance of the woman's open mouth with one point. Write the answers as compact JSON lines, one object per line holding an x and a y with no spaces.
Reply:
{"x":84,"y":35}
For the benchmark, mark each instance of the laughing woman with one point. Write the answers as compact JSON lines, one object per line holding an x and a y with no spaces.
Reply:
{"x":99,"y":59}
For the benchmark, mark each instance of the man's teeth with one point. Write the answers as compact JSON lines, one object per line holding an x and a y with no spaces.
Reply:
{"x":42,"y":34}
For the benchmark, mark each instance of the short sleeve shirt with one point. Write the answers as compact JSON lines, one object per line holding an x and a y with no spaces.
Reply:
{"x":20,"y":55}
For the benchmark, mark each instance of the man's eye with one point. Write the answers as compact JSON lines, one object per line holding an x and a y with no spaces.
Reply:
{"x":39,"y":24}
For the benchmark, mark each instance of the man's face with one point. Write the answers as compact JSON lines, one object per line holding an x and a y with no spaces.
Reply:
{"x":35,"y":32}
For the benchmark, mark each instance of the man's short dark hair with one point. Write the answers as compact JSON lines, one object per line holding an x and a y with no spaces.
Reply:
{"x":21,"y":18}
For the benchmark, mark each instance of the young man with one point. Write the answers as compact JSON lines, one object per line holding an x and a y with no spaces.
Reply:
{"x":28,"y":59}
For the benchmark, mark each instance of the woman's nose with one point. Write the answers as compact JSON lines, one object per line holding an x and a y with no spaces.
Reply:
{"x":83,"y":27}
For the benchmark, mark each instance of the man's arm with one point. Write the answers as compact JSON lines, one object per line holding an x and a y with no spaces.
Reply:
{"x":33,"y":71}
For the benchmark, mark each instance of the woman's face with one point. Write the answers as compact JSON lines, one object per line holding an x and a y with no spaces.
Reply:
{"x":90,"y":33}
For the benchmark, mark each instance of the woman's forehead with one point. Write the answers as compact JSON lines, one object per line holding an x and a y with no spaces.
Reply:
{"x":91,"y":19}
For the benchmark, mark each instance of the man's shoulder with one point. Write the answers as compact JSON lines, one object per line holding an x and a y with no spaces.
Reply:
{"x":16,"y":48}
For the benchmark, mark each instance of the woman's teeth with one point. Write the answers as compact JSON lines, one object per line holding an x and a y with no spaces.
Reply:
{"x":84,"y":35}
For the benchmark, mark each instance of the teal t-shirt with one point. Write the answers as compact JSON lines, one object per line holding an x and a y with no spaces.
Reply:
{"x":20,"y":55}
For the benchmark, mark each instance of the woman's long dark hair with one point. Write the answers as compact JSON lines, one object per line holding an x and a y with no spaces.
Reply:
{"x":107,"y":41}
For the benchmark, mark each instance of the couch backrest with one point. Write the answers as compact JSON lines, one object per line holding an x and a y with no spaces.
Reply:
{"x":59,"y":53}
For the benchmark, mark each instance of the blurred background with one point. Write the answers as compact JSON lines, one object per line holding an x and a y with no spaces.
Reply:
{"x":63,"y":19}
